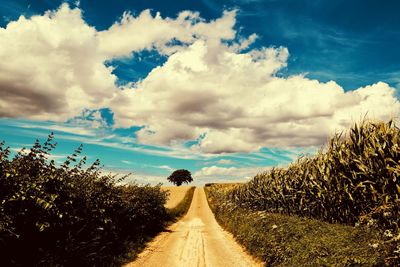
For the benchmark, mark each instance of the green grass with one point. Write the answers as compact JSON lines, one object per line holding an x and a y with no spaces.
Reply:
{"x":282,"y":240}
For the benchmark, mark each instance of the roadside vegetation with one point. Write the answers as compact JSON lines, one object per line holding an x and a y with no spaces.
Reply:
{"x":341,"y":205}
{"x":70,"y":215}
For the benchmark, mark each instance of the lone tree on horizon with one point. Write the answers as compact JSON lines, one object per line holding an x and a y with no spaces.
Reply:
{"x":180,"y":176}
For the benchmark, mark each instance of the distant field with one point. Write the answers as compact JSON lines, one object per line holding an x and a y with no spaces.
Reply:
{"x":176,"y":194}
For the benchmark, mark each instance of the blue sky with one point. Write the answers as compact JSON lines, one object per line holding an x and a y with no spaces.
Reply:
{"x":230,"y":90}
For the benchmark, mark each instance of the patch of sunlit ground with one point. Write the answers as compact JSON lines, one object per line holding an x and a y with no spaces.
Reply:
{"x":176,"y":194}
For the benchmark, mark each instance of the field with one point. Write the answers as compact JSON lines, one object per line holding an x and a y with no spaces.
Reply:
{"x":176,"y":195}
{"x":345,"y":201}
{"x":283,"y":240}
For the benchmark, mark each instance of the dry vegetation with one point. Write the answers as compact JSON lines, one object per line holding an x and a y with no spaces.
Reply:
{"x":175,"y":195}
{"x":181,"y":208}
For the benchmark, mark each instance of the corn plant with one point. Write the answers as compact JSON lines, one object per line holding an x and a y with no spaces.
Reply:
{"x":354,"y":177}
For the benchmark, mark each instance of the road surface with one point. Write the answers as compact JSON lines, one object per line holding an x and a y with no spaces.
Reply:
{"x":196,"y":240}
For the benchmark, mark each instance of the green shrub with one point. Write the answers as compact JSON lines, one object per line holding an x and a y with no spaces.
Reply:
{"x":69,"y":215}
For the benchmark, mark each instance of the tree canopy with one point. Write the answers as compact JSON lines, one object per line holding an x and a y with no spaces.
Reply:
{"x":180,"y":176}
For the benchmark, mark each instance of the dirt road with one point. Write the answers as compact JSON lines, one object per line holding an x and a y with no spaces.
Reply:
{"x":196,"y":240}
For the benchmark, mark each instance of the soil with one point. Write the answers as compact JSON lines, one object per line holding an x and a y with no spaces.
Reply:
{"x":196,"y":240}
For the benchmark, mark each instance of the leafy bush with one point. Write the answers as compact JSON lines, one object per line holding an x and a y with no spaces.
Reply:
{"x":69,"y":215}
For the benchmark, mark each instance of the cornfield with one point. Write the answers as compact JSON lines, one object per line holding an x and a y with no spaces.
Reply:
{"x":353,"y":180}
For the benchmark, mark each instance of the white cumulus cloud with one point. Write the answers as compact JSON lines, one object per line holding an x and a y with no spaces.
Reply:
{"x":212,"y":88}
{"x":52,"y":66}
{"x":227,"y":174}
{"x":237,"y":103}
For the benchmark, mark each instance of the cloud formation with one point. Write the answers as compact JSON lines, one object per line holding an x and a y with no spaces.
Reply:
{"x":237,"y":103}
{"x":52,"y":66}
{"x":213,"y":87}
{"x":227,"y":174}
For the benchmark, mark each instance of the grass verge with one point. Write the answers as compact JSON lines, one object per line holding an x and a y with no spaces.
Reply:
{"x":282,"y":240}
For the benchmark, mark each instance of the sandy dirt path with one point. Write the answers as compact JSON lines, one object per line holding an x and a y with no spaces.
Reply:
{"x":196,"y":240}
